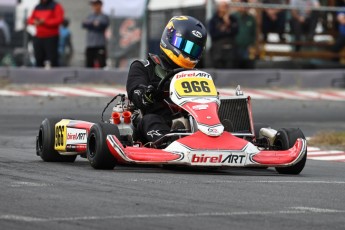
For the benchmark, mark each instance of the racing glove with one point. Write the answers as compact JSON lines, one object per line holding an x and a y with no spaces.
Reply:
{"x":144,"y":96}
{"x":148,"y":96}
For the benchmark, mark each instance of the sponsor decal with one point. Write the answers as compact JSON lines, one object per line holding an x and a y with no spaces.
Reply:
{"x":213,"y":130}
{"x":154,"y":133}
{"x":180,"y":18}
{"x":200,"y":107}
{"x":221,"y":159}
{"x":192,"y":74}
{"x":137,"y":92}
{"x":76,"y":136}
{"x":197,"y":34}
{"x":147,"y":63}
{"x":76,"y":148}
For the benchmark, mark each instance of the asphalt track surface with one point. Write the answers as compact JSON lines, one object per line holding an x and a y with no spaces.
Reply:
{"x":39,"y":195}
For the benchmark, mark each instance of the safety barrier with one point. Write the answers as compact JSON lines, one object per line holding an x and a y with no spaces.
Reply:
{"x":263,"y":78}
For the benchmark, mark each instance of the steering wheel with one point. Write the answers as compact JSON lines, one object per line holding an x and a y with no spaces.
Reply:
{"x":167,"y":77}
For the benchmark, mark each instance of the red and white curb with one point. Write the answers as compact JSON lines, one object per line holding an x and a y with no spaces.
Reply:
{"x":327,"y":155}
{"x":66,"y":91}
{"x":282,"y":94}
{"x":92,"y":91}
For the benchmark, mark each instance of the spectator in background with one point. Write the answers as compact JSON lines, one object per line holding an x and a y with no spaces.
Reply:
{"x":65,"y":44}
{"x":304,"y":20}
{"x":5,"y":37}
{"x":223,"y":29}
{"x":47,"y":17}
{"x":5,"y":34}
{"x":245,"y":38}
{"x":340,"y":42}
{"x":96,"y":25}
{"x":273,"y":20}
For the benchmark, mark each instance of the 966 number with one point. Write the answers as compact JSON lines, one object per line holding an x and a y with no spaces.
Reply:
{"x":59,"y":135}
{"x":195,"y":86}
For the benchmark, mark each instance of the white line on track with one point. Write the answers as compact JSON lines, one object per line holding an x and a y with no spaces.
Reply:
{"x":243,"y":181}
{"x":277,"y":182}
{"x":290,"y":211}
{"x":29,"y":184}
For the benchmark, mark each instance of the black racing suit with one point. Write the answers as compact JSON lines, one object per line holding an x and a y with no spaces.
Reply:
{"x":157,"y":117}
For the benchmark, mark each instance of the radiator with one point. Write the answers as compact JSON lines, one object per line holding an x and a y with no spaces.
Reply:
{"x":234,"y":115}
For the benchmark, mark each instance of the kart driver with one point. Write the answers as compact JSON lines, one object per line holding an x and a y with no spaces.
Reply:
{"x":182,"y":43}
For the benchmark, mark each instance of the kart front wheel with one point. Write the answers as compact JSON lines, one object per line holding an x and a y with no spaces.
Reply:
{"x":98,"y":153}
{"x":285,"y":139}
{"x":45,"y":143}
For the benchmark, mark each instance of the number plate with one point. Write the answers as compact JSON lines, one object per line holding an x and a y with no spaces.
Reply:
{"x":194,"y":86}
{"x":61,"y":135}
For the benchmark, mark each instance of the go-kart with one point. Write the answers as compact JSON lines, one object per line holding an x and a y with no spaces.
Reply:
{"x":207,"y":131}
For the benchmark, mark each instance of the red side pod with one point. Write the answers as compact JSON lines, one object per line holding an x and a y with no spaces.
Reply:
{"x":76,"y":141}
{"x":77,"y":124}
{"x":138,"y":155}
{"x":112,"y":145}
{"x":280,"y":157}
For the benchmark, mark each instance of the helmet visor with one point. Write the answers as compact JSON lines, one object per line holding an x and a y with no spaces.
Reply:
{"x":186,"y":46}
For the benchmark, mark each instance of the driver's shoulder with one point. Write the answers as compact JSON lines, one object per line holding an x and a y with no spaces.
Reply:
{"x":148,"y":65}
{"x":140,"y":63}
{"x":151,"y":61}
{"x":144,"y":62}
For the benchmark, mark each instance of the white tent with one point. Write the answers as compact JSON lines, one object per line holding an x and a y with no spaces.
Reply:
{"x":164,"y":4}
{"x":120,"y":8}
{"x":8,"y":3}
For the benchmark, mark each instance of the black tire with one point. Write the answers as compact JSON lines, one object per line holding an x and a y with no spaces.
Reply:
{"x":45,"y":143}
{"x":98,"y":153}
{"x":286,"y":139}
{"x":258,"y":127}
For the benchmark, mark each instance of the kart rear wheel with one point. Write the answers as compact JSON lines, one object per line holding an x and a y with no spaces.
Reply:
{"x":98,"y":153}
{"x":286,"y":139}
{"x":45,"y":143}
